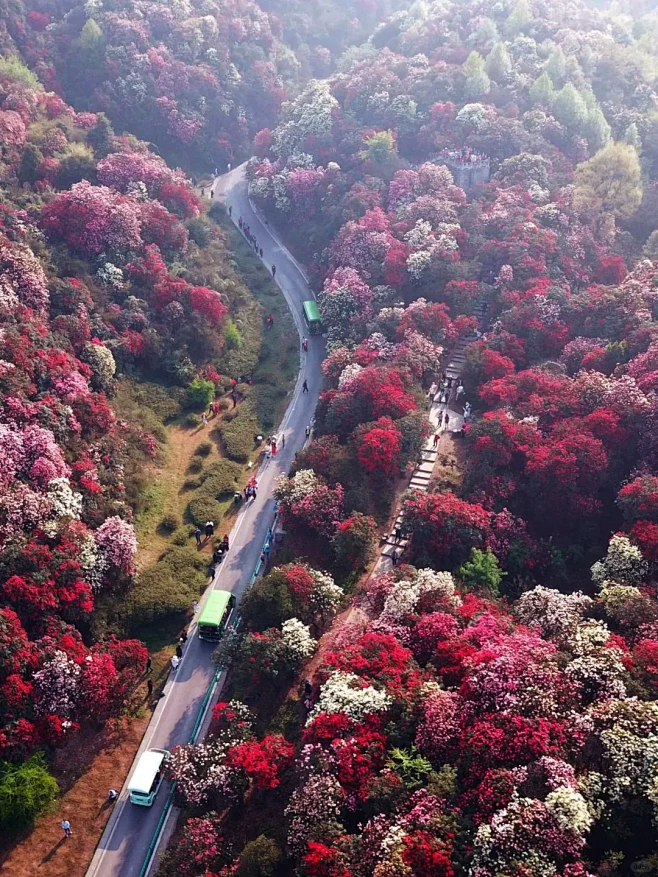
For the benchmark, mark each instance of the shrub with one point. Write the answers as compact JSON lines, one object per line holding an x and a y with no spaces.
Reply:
{"x":200,"y":393}
{"x":193,"y":483}
{"x":204,"y":449}
{"x":200,"y":232}
{"x":220,"y":478}
{"x":195,"y":465}
{"x":259,"y":858}
{"x":181,"y":536}
{"x":238,"y":435}
{"x":232,"y":336}
{"x":169,"y":523}
{"x":224,"y":404}
{"x":192,"y":420}
{"x":25,"y":791}
{"x":203,"y":509}
{"x":168,"y":587}
{"x":156,"y":594}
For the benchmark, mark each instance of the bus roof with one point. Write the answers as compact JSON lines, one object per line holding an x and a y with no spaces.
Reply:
{"x":312,"y":312}
{"x":146,"y":770}
{"x":215,"y":607}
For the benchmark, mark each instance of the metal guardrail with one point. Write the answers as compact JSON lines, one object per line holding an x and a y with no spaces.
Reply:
{"x":150,"y":853}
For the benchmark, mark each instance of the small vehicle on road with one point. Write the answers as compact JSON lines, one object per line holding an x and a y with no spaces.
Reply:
{"x":215,"y":615}
{"x":312,"y":318}
{"x":147,"y":777}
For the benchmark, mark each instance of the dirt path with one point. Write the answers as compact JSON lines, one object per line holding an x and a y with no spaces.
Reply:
{"x":45,"y":852}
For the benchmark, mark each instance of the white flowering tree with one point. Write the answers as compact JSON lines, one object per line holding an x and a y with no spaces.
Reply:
{"x":345,"y":693}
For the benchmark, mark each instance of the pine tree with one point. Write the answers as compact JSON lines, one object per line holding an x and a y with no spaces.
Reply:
{"x":596,"y":130}
{"x":556,"y":66}
{"x":498,"y":64}
{"x":542,"y":91}
{"x":569,"y":109}
{"x":477,"y":82}
{"x":632,"y":136}
{"x":519,"y":19}
{"x":100,"y":136}
{"x":30,"y":161}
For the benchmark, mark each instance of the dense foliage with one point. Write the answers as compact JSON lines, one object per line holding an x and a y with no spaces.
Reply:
{"x":101,"y":277}
{"x":495,"y":711}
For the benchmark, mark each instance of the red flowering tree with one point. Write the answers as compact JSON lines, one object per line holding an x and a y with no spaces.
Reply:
{"x":444,"y":527}
{"x":379,"y":447}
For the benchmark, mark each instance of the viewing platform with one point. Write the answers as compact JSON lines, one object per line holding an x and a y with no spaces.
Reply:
{"x":468,"y":168}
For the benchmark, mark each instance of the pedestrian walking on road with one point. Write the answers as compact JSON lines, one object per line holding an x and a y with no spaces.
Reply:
{"x":261,"y":252}
{"x":308,"y":432}
{"x":240,"y":223}
{"x":149,"y":688}
{"x":179,"y":652}
{"x":228,"y":168}
{"x":436,"y":438}
{"x":230,"y":211}
{"x":175,"y":661}
{"x":447,"y":420}
{"x":66,"y":827}
{"x":305,"y":386}
{"x":197,"y":535}
{"x":273,"y":270}
{"x":195,"y":606}
{"x":283,"y":441}
{"x":305,"y":345}
{"x":149,"y":664}
{"x":212,"y":194}
{"x":112,"y":795}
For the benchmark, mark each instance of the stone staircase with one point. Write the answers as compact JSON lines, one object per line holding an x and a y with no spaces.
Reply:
{"x":422,"y":474}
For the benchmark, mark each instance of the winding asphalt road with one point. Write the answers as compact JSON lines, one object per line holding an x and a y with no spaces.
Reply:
{"x":125,"y":843}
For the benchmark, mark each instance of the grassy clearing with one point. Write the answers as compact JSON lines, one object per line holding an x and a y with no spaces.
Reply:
{"x":199,"y":467}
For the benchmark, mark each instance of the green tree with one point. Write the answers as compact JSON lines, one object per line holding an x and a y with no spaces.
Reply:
{"x":498,"y":64}
{"x":90,"y":35}
{"x":650,"y":249}
{"x":610,"y":182}
{"x":355,"y":541}
{"x":632,"y":137}
{"x":482,"y":571}
{"x":77,"y":164}
{"x":477,"y":82}
{"x":410,"y":766}
{"x":26,"y":790}
{"x":542,"y":91}
{"x":556,"y":66}
{"x":200,"y":393}
{"x":519,"y":19}
{"x":570,"y":109}
{"x":30,"y":161}
{"x":596,"y":130}
{"x":260,"y":858}
{"x":100,"y":136}
{"x":267,"y":603}
{"x":380,"y":148}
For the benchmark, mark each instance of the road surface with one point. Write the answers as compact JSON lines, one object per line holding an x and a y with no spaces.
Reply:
{"x":125,"y":843}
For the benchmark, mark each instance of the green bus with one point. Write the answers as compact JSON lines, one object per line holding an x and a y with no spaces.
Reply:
{"x":312,"y":318}
{"x":215,"y":615}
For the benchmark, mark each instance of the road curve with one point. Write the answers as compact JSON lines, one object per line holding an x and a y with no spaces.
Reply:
{"x":125,"y":843}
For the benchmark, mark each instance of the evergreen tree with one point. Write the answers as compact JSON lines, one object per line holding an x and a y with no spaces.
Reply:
{"x":100,"y":136}
{"x":477,"y":82}
{"x":570,"y":109}
{"x":542,"y":91}
{"x":498,"y":64}
{"x":519,"y":19}
{"x":632,"y":136}
{"x":556,"y":66}
{"x":596,"y":130}
{"x":30,"y":161}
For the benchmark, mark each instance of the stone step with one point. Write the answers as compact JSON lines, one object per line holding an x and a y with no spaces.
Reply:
{"x":425,"y":467}
{"x":419,"y":484}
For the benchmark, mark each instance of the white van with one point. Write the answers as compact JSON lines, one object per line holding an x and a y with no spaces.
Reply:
{"x":147,"y":777}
